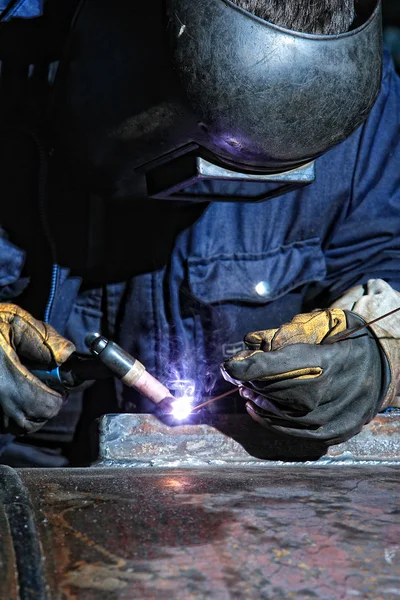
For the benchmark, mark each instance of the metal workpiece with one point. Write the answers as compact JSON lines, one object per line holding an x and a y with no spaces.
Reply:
{"x":379,"y":441}
{"x":135,"y":440}
{"x":237,"y":532}
{"x":143,"y":440}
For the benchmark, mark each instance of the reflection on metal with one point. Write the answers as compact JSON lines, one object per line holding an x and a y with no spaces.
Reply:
{"x":21,"y":562}
{"x":142,"y":440}
{"x":325,"y":533}
{"x":220,"y":522}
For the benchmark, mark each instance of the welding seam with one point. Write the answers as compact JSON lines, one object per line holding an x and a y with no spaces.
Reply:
{"x":182,"y":464}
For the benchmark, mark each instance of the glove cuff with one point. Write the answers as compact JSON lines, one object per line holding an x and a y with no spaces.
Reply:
{"x":371,"y":301}
{"x":353,"y":322}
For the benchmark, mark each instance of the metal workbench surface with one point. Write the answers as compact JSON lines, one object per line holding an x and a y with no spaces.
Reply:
{"x":324,"y":532}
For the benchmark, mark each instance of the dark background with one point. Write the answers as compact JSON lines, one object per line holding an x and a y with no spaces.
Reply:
{"x":391,"y":23}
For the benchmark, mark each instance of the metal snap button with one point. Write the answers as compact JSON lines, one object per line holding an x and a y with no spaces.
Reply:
{"x":263,"y":289}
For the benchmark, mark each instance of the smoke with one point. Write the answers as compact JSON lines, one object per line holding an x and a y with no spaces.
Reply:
{"x":196,"y":356}
{"x":195,"y":372}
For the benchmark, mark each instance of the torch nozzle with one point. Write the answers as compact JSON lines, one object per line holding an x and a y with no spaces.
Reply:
{"x":128,"y":369}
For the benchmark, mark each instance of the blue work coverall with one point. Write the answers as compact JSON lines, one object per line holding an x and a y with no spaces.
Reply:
{"x":244,"y":267}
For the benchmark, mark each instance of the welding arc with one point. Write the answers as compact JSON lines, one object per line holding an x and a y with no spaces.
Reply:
{"x":357,"y":329}
{"x":232,"y":391}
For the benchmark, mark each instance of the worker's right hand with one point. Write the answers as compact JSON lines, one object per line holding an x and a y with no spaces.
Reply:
{"x":301,"y":385}
{"x":25,"y":402}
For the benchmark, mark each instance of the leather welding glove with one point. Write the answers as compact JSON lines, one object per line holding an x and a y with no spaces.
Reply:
{"x":302,"y":383}
{"x":25,"y":402}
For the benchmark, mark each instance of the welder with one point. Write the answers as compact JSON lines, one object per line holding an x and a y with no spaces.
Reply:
{"x":179,"y":176}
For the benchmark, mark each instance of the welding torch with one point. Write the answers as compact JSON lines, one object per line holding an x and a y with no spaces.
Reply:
{"x":108,"y":359}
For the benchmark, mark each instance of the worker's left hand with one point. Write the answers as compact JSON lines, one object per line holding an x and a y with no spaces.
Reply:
{"x":26,"y":403}
{"x":299,"y":384}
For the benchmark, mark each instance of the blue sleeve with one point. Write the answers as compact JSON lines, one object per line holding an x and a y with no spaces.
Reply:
{"x":12,"y":259}
{"x":23,"y":9}
{"x":365,"y":242}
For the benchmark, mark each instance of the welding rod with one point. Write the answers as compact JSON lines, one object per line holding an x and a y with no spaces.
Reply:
{"x":360,"y":328}
{"x":232,"y":391}
{"x":128,"y":369}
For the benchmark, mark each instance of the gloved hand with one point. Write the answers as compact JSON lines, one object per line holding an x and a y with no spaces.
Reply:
{"x":25,"y":402}
{"x":302,"y":385}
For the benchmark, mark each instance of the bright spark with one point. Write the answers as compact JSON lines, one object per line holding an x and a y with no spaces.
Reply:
{"x":182,"y":407}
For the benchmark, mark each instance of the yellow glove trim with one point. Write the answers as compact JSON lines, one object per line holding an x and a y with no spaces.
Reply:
{"x":305,"y":373}
{"x":307,"y":328}
{"x":309,"y":373}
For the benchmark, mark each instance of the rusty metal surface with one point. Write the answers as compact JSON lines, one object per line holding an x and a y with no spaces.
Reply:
{"x":324,"y":533}
{"x":145,"y":439}
{"x":140,"y":440}
{"x":379,"y":440}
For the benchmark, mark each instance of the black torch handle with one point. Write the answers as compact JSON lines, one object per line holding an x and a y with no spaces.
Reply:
{"x":73,"y":373}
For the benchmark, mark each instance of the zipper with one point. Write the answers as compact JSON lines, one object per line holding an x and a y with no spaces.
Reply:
{"x":52,"y":294}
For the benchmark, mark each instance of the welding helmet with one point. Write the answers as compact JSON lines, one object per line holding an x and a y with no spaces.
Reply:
{"x":178,"y":99}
